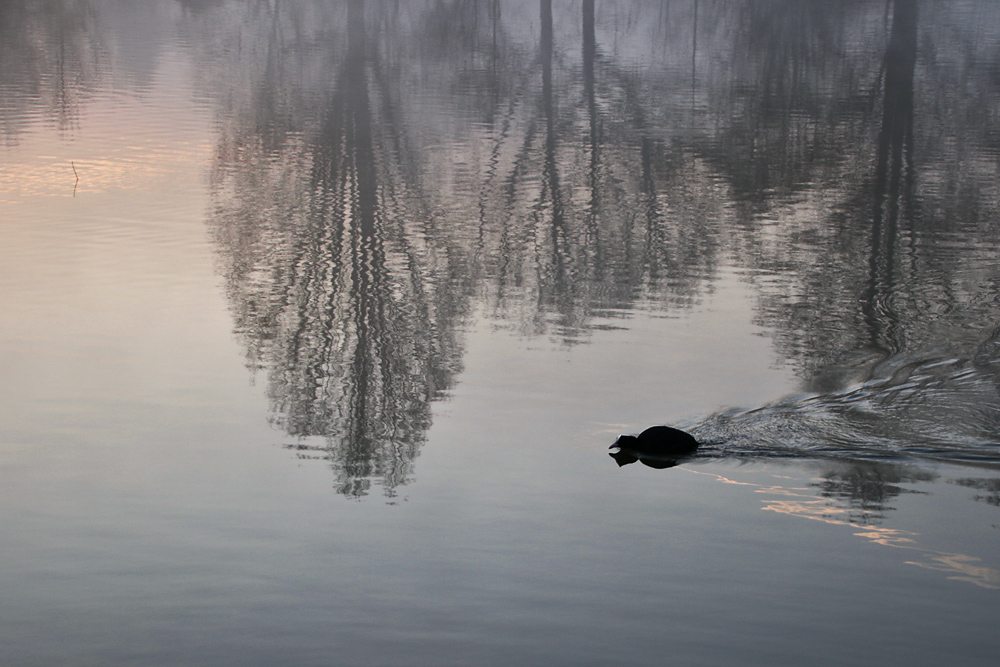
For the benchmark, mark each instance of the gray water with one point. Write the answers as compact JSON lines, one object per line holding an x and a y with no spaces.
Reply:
{"x":318,"y":320}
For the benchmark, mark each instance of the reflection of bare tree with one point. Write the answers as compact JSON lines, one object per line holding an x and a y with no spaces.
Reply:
{"x":869,"y":488}
{"x":344,"y":295}
{"x":50,"y":58}
{"x":562,"y":178}
{"x":989,"y":486}
{"x":895,"y":137}
{"x":560,"y":257}
{"x":792,"y":97}
{"x":845,"y":283}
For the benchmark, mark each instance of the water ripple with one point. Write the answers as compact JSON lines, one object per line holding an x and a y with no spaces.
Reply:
{"x":925,"y":406}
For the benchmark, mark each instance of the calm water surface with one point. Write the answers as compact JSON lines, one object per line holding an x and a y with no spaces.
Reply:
{"x":319,"y":318}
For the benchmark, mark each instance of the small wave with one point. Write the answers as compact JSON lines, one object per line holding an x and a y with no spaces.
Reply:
{"x":929,"y":406}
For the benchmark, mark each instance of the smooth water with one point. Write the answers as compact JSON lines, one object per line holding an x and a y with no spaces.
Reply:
{"x":318,"y":320}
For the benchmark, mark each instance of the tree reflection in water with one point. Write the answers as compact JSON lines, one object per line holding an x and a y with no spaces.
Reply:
{"x":385,"y":167}
{"x":52,"y":58}
{"x":869,"y":488}
{"x":341,"y":288}
{"x":989,"y":486}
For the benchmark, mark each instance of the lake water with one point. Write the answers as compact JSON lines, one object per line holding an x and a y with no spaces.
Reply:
{"x":318,"y":320}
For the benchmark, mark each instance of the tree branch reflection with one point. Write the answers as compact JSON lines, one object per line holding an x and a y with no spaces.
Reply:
{"x":343,"y":294}
{"x":385,"y":167}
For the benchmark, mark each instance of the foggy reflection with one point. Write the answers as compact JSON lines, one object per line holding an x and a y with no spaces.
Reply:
{"x":342,"y":290}
{"x":870,"y":272}
{"x":386,"y":168}
{"x":569,"y":230}
{"x":51,"y":60}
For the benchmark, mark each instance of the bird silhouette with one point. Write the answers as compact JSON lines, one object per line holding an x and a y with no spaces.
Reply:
{"x":656,"y":447}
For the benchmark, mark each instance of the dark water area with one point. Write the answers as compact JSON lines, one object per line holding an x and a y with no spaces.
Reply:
{"x":319,"y":319}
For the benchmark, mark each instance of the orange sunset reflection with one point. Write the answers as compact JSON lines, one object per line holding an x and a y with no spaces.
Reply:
{"x":801,"y":502}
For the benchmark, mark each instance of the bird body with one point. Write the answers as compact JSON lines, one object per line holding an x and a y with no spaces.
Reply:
{"x":656,"y":447}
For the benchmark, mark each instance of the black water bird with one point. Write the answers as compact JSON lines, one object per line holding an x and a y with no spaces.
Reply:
{"x":656,"y":447}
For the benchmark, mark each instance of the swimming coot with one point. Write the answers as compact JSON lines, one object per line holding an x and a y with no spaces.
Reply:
{"x":656,"y":447}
